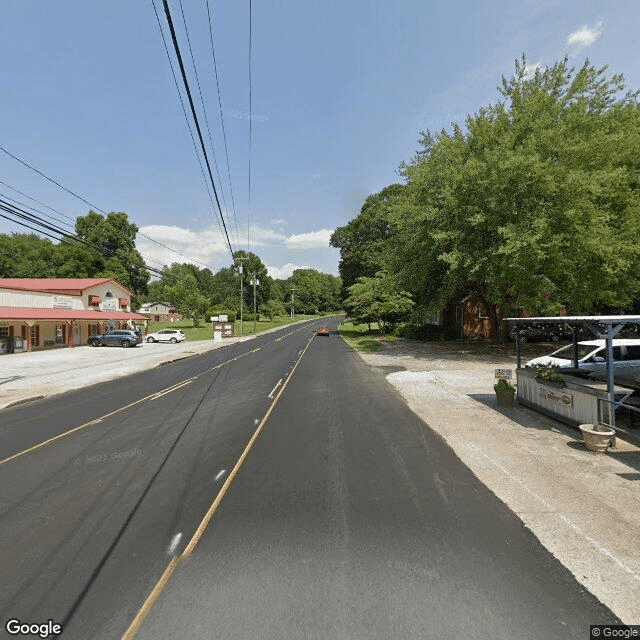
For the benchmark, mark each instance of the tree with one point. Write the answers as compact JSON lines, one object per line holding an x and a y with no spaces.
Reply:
{"x":253,"y":267}
{"x":377,"y":299}
{"x":186,"y":297}
{"x":111,"y":241}
{"x":272,"y":308}
{"x":363,"y":242}
{"x":26,"y":255}
{"x":536,"y":204}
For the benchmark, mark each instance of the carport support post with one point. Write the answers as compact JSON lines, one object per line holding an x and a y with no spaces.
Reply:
{"x":574,"y":333}
{"x":610,"y":382}
{"x":518,"y":347}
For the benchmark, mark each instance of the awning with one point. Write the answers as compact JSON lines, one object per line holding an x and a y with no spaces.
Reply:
{"x":29,"y":313}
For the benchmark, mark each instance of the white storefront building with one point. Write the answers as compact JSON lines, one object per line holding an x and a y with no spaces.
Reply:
{"x":42,"y":313}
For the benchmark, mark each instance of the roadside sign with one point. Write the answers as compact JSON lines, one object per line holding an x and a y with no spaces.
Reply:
{"x":217,"y":336}
{"x":502,"y":374}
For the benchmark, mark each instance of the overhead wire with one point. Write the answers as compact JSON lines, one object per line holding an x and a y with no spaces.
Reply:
{"x":224,"y":133}
{"x":94,"y":207}
{"x":204,"y":110}
{"x":195,"y":116}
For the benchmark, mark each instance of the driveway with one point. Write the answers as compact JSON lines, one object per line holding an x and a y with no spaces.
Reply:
{"x":584,"y":507}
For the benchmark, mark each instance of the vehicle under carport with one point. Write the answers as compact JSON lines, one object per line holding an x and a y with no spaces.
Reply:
{"x":581,"y":399}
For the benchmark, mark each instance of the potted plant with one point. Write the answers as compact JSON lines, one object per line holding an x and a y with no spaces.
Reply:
{"x":597,"y":437}
{"x":504,"y":393}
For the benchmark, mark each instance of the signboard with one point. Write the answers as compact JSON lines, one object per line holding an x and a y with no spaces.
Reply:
{"x":564,"y":399}
{"x":502,"y":374}
{"x":214,"y":318}
{"x":223,"y":318}
{"x":110,"y":304}
{"x":62,"y":302}
{"x":227,"y":329}
{"x":217,"y":336}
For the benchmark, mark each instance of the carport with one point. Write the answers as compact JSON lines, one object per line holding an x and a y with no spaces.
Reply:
{"x":602,"y":327}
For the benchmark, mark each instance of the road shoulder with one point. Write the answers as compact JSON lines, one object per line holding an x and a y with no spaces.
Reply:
{"x":583,"y":507}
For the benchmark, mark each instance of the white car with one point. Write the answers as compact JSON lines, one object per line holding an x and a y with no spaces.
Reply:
{"x":592,"y":356}
{"x":166,"y":335}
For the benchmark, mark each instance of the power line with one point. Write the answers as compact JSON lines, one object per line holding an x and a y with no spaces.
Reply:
{"x":204,"y":110}
{"x":93,"y":206}
{"x":224,"y":133}
{"x":97,"y":209}
{"x":195,"y":117}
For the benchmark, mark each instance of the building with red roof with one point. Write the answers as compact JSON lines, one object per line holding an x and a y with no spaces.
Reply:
{"x":42,"y":313}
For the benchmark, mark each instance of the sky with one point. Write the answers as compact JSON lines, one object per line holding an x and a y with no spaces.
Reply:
{"x":340,"y":92}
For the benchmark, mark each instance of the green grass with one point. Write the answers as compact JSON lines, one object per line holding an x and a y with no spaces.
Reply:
{"x":205,"y":332}
{"x":359,"y":337}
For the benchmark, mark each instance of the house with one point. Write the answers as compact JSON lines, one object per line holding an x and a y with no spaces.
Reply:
{"x":44,"y":313}
{"x":469,"y":318}
{"x":160,"y":311}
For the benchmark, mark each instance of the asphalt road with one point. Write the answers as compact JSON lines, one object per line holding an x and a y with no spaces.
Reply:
{"x":349,"y":518}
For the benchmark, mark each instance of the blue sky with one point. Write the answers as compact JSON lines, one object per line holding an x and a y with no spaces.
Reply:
{"x":340,"y":93}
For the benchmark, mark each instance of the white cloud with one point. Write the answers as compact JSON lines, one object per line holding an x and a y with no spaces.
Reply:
{"x":530,"y":69}
{"x":310,"y":240}
{"x":261,"y":236}
{"x":279,"y":222}
{"x":285,"y":271}
{"x":315,"y":176}
{"x":204,"y":247}
{"x":584,"y":36}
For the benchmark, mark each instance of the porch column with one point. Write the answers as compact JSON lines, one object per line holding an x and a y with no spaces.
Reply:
{"x":27,"y":335}
{"x":69,"y":325}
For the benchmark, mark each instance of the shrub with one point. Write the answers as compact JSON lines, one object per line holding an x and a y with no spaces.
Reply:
{"x":503,"y":385}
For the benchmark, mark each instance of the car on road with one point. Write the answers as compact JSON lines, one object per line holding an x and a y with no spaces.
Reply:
{"x":116,"y":338}
{"x":323,"y":331}
{"x":592,"y":356}
{"x":166,"y":335}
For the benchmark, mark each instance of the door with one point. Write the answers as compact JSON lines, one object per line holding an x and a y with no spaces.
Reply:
{"x":77,"y":335}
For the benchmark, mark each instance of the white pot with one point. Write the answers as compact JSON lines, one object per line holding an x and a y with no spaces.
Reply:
{"x":597,"y":437}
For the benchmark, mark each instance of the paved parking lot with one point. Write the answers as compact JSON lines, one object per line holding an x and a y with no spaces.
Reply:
{"x":24,"y":376}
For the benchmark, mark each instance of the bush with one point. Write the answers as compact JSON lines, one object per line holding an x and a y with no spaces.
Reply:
{"x":248,"y":317}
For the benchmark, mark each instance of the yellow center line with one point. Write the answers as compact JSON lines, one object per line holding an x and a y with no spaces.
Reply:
{"x":152,"y":396}
{"x":160,"y":585}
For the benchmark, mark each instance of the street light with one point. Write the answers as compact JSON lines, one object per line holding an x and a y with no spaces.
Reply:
{"x":292,"y":311}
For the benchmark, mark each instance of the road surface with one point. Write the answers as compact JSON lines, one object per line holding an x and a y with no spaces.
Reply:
{"x":348,"y":518}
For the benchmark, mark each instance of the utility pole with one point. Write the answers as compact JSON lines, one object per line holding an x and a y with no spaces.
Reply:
{"x":254,"y":282}
{"x":293,"y":315}
{"x":241,"y":296}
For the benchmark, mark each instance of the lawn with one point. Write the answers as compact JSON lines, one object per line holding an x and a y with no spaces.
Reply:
{"x":205,"y":331}
{"x":359,"y":337}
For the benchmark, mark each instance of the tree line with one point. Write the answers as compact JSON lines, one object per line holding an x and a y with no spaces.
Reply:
{"x":534,"y":205}
{"x":104,"y":247}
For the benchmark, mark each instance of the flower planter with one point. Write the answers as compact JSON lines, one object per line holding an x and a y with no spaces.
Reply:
{"x":505,"y":398}
{"x":597,"y":437}
{"x":555,"y":384}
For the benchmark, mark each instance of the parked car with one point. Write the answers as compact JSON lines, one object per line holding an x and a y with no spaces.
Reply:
{"x":116,"y":338}
{"x":167,"y":335}
{"x":592,"y":356}
{"x":532,"y":333}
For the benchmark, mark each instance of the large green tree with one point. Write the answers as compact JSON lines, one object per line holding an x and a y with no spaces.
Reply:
{"x":535,"y":204}
{"x":363,"y":242}
{"x":112,"y":238}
